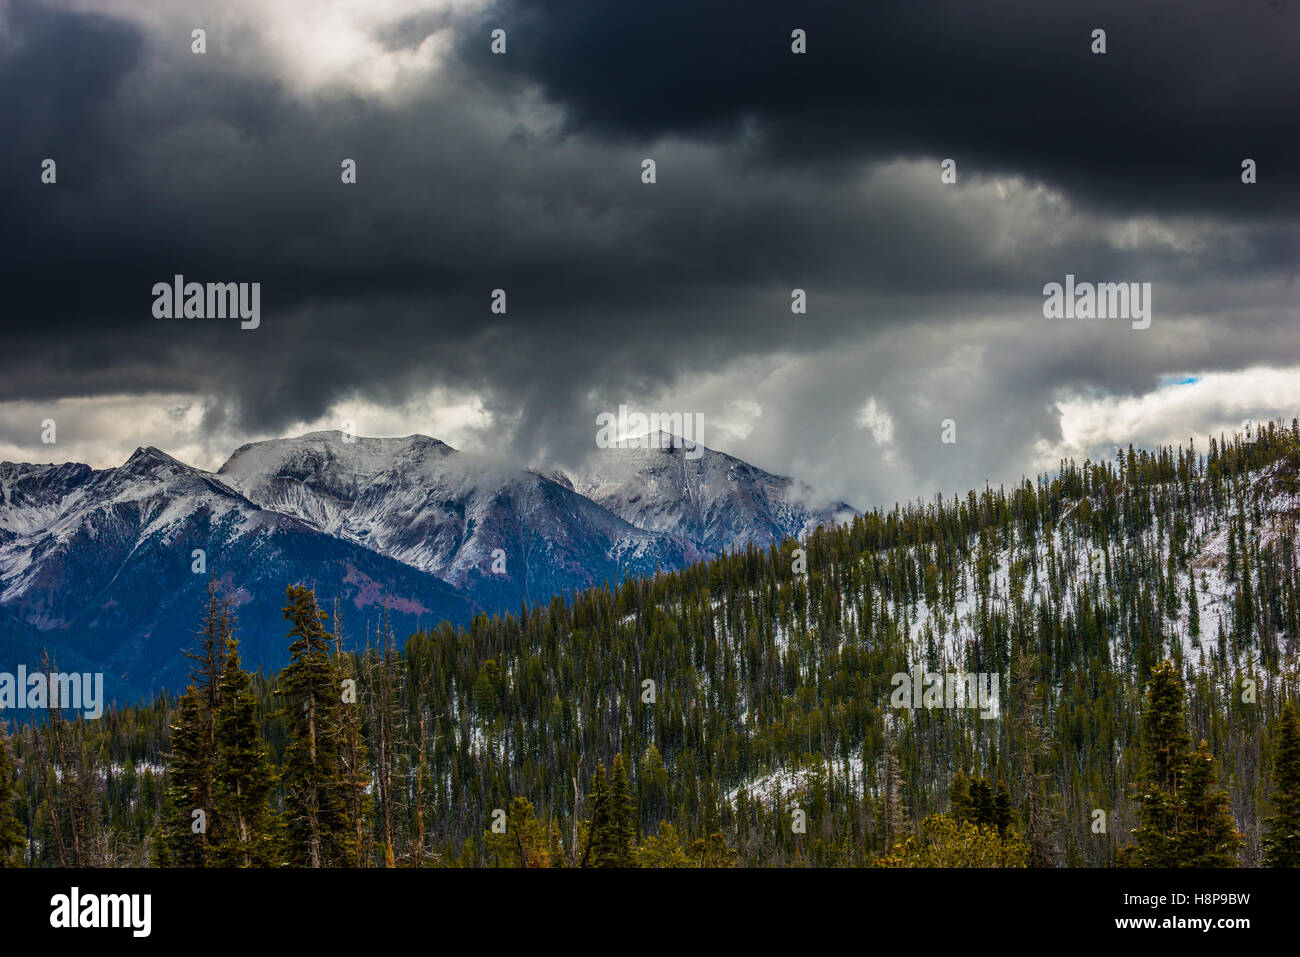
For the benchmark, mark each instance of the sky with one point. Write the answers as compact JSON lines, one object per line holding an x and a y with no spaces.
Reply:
{"x":774,"y":171}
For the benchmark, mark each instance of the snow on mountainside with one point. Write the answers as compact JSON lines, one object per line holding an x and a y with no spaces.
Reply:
{"x":99,"y":565}
{"x":715,"y":500}
{"x":49,"y":510}
{"x":35,"y":495}
{"x":423,"y":503}
{"x":943,"y":637}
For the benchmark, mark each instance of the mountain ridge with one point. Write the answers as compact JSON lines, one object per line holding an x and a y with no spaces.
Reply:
{"x":410,"y":523}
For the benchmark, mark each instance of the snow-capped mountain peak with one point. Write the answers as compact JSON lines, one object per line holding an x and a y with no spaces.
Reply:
{"x":714,"y":499}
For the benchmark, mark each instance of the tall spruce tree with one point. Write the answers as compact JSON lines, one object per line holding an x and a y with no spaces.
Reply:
{"x":354,"y":765}
{"x":192,"y":826}
{"x":1207,"y":834}
{"x":189,"y":768}
{"x":1184,"y":820}
{"x":320,"y":826}
{"x":620,"y":851}
{"x":1165,"y":750}
{"x":386,"y":718}
{"x":598,"y":832}
{"x":12,"y":837}
{"x":1282,"y":833}
{"x":249,"y":835}
{"x":214,"y":636}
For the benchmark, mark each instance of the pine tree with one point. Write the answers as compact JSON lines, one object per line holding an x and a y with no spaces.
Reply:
{"x":1028,"y":738}
{"x":662,"y":850}
{"x":353,"y":756}
{"x":1184,"y":816}
{"x":622,"y":826}
{"x":1165,"y":751}
{"x":1207,"y":835}
{"x":320,"y":827}
{"x":12,"y":837}
{"x":193,"y":826}
{"x":612,"y":827}
{"x":189,"y":767}
{"x":249,"y":835}
{"x":214,"y":637}
{"x":960,"y":805}
{"x":1232,"y":551}
{"x":1002,"y":809}
{"x":385,"y":690}
{"x":599,"y":839}
{"x":1282,"y":834}
{"x":653,"y":786}
{"x":524,"y":843}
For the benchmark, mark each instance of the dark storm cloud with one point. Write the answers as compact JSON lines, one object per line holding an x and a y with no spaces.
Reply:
{"x":774,"y":171}
{"x":59,"y":75}
{"x":1161,"y":121}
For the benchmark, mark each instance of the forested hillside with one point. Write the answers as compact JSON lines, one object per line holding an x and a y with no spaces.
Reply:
{"x":739,"y":712}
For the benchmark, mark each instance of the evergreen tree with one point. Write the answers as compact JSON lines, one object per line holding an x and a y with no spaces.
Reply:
{"x":598,"y":831}
{"x":612,"y":828}
{"x":1165,"y":751}
{"x":1028,"y":739}
{"x":960,"y":804}
{"x":524,"y":843}
{"x":1207,"y":834}
{"x":385,"y":716}
{"x":621,"y":819}
{"x":12,"y":837}
{"x":189,"y":767}
{"x":1184,"y":816}
{"x":1282,"y":836}
{"x":611,"y":834}
{"x":193,"y":826}
{"x":1002,"y":809}
{"x":320,"y":827}
{"x":653,"y":786}
{"x":353,"y":755}
{"x":662,"y":850}
{"x":244,"y":778}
